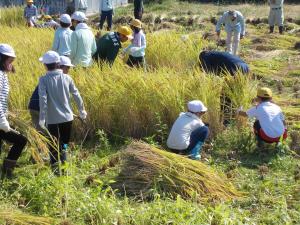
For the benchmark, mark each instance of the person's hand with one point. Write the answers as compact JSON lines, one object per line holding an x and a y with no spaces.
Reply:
{"x":83,"y":115}
{"x":4,"y":125}
{"x":98,"y":35}
{"x":240,"y":109}
{"x":42,"y":124}
{"x":133,"y":50}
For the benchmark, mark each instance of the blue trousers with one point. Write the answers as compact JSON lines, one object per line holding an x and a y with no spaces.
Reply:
{"x":106,"y":15}
{"x":200,"y":134}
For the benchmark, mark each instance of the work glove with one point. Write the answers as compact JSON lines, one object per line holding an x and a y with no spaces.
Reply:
{"x":134,"y":49}
{"x":42,"y":124}
{"x":4,"y":125}
{"x":240,"y":109}
{"x":83,"y":115}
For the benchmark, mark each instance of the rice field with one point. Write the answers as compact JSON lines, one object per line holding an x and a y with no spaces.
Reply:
{"x":126,"y":104}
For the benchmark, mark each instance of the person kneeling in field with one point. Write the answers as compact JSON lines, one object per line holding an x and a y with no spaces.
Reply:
{"x":55,"y":88}
{"x":108,"y":45}
{"x":270,"y":125}
{"x":188,"y":133}
{"x":7,"y":56}
{"x":138,"y":46}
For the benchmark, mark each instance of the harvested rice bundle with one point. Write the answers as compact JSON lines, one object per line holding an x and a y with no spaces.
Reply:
{"x":37,"y":143}
{"x":18,"y":218}
{"x":144,"y":168}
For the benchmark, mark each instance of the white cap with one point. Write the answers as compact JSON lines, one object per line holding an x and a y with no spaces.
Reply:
{"x":65,"y":18}
{"x":50,"y":57}
{"x":6,"y":49}
{"x":196,"y":106}
{"x":79,"y":16}
{"x":65,"y":61}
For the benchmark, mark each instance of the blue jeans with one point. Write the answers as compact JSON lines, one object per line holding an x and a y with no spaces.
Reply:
{"x":106,"y":15}
{"x":200,"y":134}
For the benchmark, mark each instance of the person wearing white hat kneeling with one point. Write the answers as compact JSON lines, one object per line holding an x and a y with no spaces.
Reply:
{"x":62,"y":37}
{"x":55,"y":88}
{"x":7,"y":56}
{"x":189,"y":133}
{"x":83,"y":43}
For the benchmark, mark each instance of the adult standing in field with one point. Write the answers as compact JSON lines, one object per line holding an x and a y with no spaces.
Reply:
{"x":235,"y":28}
{"x":55,"y":88}
{"x":62,"y":37}
{"x":137,"y":47}
{"x":83,"y":44}
{"x":138,"y":10}
{"x":189,"y":133}
{"x":108,"y":45}
{"x":276,"y":15}
{"x":107,"y":10}
{"x":270,"y":126}
{"x":81,"y":5}
{"x":7,"y":56}
{"x":30,"y":13}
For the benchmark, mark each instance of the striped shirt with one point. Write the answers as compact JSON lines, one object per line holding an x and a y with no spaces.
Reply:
{"x":4,"y":90}
{"x":30,"y":11}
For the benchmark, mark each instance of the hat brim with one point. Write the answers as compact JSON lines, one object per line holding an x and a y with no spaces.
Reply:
{"x":13,"y":55}
{"x":69,"y":65}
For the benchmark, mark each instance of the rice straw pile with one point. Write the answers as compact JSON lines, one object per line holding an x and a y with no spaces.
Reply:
{"x":144,"y":168}
{"x":19,"y":218}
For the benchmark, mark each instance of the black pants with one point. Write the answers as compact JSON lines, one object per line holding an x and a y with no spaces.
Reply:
{"x":138,"y":14}
{"x":61,"y":134}
{"x":106,"y":15}
{"x":135,"y":61}
{"x":18,"y":141}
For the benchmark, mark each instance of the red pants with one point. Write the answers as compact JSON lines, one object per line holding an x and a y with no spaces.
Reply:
{"x":262,"y":135}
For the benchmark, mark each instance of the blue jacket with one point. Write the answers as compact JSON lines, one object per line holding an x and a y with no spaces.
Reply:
{"x":34,"y":100}
{"x":218,"y":62}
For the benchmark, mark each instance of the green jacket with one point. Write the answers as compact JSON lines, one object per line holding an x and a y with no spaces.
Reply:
{"x":108,"y":47}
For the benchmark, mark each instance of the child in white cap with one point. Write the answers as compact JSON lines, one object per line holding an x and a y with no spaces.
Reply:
{"x":62,"y":37}
{"x":83,"y":43}
{"x":7,"y":56}
{"x":55,"y":88}
{"x":65,"y":64}
{"x":188,"y":133}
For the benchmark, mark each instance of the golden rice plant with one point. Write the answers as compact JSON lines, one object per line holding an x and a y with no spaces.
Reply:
{"x":144,"y":168}
{"x":12,"y":16}
{"x":122,"y":100}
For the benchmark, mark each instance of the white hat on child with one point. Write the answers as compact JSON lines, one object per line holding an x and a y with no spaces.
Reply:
{"x":196,"y":106}
{"x":65,"y":61}
{"x":50,"y":57}
{"x":65,"y":18}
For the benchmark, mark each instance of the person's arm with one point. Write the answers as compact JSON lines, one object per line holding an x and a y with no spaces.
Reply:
{"x":76,"y":95}
{"x":219,"y":24}
{"x":42,"y":100}
{"x":4,"y":125}
{"x":94,"y":47}
{"x":36,"y":11}
{"x":55,"y":45}
{"x":73,"y":46}
{"x":242,"y":21}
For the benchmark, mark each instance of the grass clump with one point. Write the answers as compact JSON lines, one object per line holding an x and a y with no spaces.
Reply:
{"x":145,"y":169}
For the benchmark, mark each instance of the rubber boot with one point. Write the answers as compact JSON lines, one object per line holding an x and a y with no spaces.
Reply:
{"x":271,"y":29}
{"x":195,"y":152}
{"x":8,"y":168}
{"x":281,"y":30}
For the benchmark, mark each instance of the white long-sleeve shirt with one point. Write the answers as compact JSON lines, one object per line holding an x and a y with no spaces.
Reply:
{"x":179,"y":137}
{"x":237,"y":25}
{"x":80,"y":5}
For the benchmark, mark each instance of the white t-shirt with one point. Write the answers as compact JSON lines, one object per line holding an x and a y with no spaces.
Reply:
{"x":270,"y":118}
{"x":179,"y":137}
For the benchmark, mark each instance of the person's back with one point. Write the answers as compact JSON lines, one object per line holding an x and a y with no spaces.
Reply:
{"x":221,"y":62}
{"x":179,"y":137}
{"x":108,"y":47}
{"x":270,"y":118}
{"x":54,"y":90}
{"x":83,"y":45}
{"x":62,"y":41}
